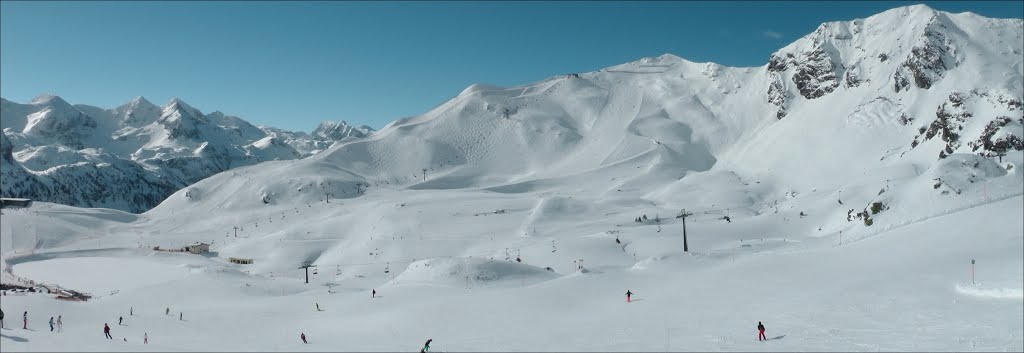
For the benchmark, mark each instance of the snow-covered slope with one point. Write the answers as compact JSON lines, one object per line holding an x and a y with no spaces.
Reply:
{"x":655,"y":127}
{"x":847,"y":222}
{"x":141,"y":152}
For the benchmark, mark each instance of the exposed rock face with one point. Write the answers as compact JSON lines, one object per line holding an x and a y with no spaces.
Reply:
{"x":815,"y":74}
{"x":777,"y":95}
{"x":929,"y":59}
{"x":1001,"y":133}
{"x":1000,"y":145}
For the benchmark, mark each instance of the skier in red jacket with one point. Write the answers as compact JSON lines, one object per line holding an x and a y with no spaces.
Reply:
{"x":760,"y":332}
{"x":106,"y":332}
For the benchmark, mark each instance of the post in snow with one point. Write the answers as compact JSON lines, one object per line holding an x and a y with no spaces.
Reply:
{"x":972,"y":272}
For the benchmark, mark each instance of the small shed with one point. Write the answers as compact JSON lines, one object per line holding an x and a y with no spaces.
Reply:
{"x":198,"y":248}
{"x":8,"y":202}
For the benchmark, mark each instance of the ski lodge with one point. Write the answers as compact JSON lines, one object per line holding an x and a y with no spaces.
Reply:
{"x":198,"y":248}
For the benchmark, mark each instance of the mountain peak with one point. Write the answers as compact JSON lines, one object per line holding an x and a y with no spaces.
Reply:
{"x":918,"y":9}
{"x":332,"y":130}
{"x":48,"y":98}
{"x":140,"y":101}
{"x":176,"y":104}
{"x":176,"y":101}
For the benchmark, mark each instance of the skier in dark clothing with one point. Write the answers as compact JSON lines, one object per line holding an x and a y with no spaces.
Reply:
{"x":302,"y":335}
{"x":426,"y":346}
{"x":1,"y":319}
{"x":24,"y":319}
{"x":106,"y":332}
{"x":628,"y":296}
{"x":51,"y":323}
{"x":167,"y":311}
{"x":617,"y":241}
{"x":120,"y":319}
{"x":760,"y":332}
{"x":374,"y":295}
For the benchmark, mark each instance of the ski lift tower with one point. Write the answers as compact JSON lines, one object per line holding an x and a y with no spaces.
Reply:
{"x":683,"y":214}
{"x":306,"y":266}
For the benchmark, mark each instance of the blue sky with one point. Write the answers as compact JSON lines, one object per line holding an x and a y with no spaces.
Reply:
{"x":294,"y":64}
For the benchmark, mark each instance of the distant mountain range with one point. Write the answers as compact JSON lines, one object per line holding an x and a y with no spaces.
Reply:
{"x":132,"y":157}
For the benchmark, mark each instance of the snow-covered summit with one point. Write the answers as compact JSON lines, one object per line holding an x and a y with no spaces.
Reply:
{"x":337,"y":131}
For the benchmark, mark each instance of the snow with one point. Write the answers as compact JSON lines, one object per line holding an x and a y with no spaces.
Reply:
{"x":877,"y":293}
{"x":998,"y":293}
{"x":554,"y":173}
{"x":112,"y":274}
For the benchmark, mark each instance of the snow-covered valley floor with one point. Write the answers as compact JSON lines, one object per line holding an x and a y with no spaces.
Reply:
{"x":904,"y":289}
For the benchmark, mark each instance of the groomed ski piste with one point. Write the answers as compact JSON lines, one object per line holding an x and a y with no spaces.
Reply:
{"x":555,"y":174}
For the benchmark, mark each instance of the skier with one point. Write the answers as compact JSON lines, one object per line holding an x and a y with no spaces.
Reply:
{"x":518,"y":259}
{"x":1,"y":318}
{"x":629,"y":296}
{"x":760,"y":332}
{"x":617,"y":241}
{"x":51,"y":323}
{"x":167,"y":312}
{"x":302,"y":335}
{"x":318,"y":307}
{"x":426,"y":346}
{"x":60,"y":323}
{"x":181,"y":315}
{"x":106,"y":332}
{"x":374,"y":295}
{"x":145,"y":338}
{"x":119,"y":320}
{"x":131,"y":311}
{"x":24,"y":319}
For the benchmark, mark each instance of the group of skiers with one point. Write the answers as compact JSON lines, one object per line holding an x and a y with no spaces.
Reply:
{"x":106,"y":333}
{"x":120,"y":322}
{"x":54,"y":325}
{"x":58,"y":324}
